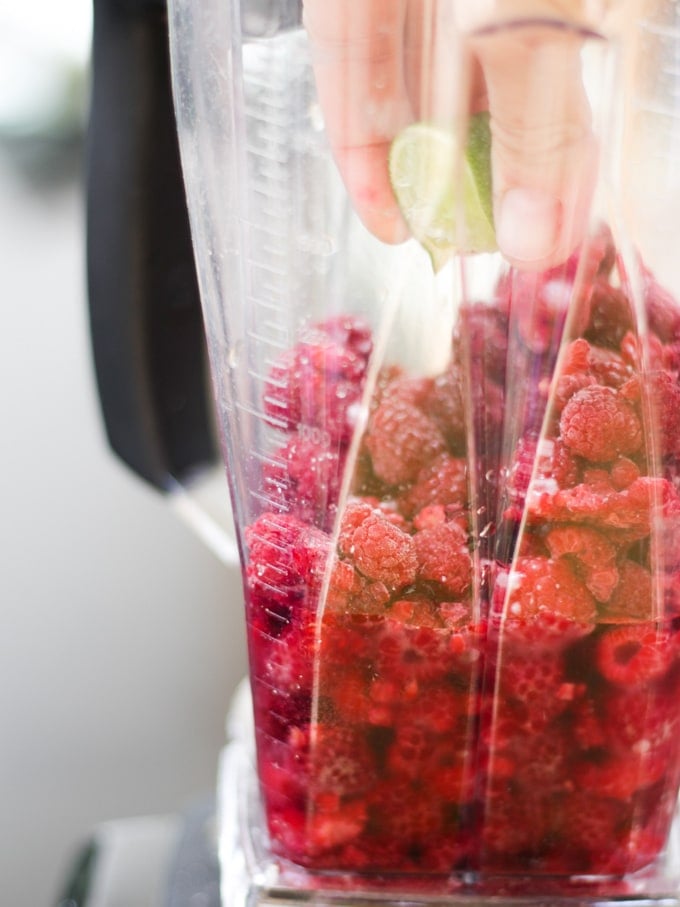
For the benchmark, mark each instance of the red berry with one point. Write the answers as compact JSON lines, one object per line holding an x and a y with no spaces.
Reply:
{"x":632,"y":600}
{"x":444,"y":404}
{"x":305,"y":477}
{"x":542,"y":601}
{"x":592,"y":822}
{"x":593,"y":554}
{"x":383,"y":552}
{"x":611,"y":314}
{"x":441,"y":482}
{"x":401,"y":440}
{"x":444,"y":559}
{"x":341,"y":761}
{"x":598,"y":425}
{"x":532,"y":687}
{"x":634,"y":654}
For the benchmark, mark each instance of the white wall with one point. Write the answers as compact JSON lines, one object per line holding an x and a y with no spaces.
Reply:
{"x":121,"y":636}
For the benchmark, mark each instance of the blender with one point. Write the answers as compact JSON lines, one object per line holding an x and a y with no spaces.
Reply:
{"x":453,"y":476}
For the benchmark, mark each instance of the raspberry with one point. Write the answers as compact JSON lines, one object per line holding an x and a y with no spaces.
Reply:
{"x":542,"y":600}
{"x":532,"y":686}
{"x":608,"y":368}
{"x":422,"y":654}
{"x":407,"y":389}
{"x":383,"y":552}
{"x":400,"y":811}
{"x":442,"y":482}
{"x":316,"y":383}
{"x":330,"y":830}
{"x":598,"y":424}
{"x":341,"y":761}
{"x":632,"y":600}
{"x":633,"y":655}
{"x":611,"y":314}
{"x":286,"y":564}
{"x":592,"y":823}
{"x":664,"y":395}
{"x":663,"y":312}
{"x":305,"y":477}
{"x":587,"y":725}
{"x":444,"y":559}
{"x":593,"y":553}
{"x":618,"y":778}
{"x":444,"y":404}
{"x":554,"y":465}
{"x":350,"y":331}
{"x":401,"y":440}
{"x":513,"y":825}
{"x":641,"y":718}
{"x":623,"y":473}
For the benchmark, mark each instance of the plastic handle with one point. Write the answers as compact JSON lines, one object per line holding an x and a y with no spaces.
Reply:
{"x":146,"y":325}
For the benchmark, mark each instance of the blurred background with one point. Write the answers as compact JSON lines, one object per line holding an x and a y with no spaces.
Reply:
{"x":122,"y":639}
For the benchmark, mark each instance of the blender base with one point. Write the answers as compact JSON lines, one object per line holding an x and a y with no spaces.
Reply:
{"x":252,"y":876}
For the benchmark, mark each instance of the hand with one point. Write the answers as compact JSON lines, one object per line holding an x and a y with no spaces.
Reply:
{"x":381,"y":64}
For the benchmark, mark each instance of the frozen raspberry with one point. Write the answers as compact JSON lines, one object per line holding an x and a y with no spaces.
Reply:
{"x":383,"y":552}
{"x":444,"y":404}
{"x":553,"y":464}
{"x":513,"y":825}
{"x":416,"y":612}
{"x":444,"y":559}
{"x":350,"y":331}
{"x":632,"y":600}
{"x":532,"y":686}
{"x":443,"y":482}
{"x":409,"y":751}
{"x":618,"y":777}
{"x":642,"y":718}
{"x":623,"y":473}
{"x":316,"y":384}
{"x":588,"y":725}
{"x":414,"y":391}
{"x":341,"y":761}
{"x":286,"y":563}
{"x":593,"y":554}
{"x":425,"y":655}
{"x":634,"y":654}
{"x":542,"y":600}
{"x":401,"y":440}
{"x":663,"y":311}
{"x":642,"y":354}
{"x":399,"y":810}
{"x":611,"y":314}
{"x":341,"y":825}
{"x":589,"y":822}
{"x":608,"y":367}
{"x":305,"y":477}
{"x":354,"y":514}
{"x":598,"y":425}
{"x":664,"y":396}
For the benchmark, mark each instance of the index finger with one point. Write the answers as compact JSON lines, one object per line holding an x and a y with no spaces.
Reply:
{"x":358,"y":57}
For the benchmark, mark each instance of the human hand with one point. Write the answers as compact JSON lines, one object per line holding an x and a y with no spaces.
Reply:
{"x":381,"y":64}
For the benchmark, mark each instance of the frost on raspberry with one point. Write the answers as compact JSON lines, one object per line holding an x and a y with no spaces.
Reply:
{"x":442,"y":482}
{"x":319,"y":381}
{"x":285,"y":567}
{"x":542,"y":601}
{"x":593,"y":554}
{"x":383,"y":552}
{"x":444,"y":559}
{"x":401,"y":440}
{"x":632,"y":601}
{"x":304,"y":477}
{"x":598,"y":424}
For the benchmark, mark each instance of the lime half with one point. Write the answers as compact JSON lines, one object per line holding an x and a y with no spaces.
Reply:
{"x":445,"y":200}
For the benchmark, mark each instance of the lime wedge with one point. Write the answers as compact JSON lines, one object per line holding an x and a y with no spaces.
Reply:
{"x":446,"y":202}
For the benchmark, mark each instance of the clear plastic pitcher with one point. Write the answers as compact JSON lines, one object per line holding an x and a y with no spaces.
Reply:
{"x":453,"y":466}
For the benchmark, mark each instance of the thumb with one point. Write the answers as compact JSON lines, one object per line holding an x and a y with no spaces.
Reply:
{"x":544,"y":155}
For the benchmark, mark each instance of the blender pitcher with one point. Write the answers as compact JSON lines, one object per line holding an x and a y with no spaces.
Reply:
{"x":453,"y":470}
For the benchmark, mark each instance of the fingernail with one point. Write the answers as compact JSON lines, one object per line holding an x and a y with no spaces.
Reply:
{"x":528,"y":224}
